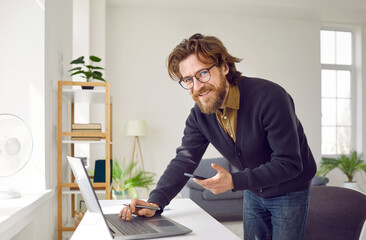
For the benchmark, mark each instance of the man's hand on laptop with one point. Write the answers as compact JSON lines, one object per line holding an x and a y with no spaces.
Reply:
{"x":127,"y":211}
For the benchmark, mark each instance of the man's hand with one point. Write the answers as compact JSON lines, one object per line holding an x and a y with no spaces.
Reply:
{"x":126,"y":212}
{"x":219,"y":183}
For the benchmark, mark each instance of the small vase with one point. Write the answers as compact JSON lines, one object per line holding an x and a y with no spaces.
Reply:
{"x":351,"y":185}
{"x":87,"y":87}
{"x":119,"y":194}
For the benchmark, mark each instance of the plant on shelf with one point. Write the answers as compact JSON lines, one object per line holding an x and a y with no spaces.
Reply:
{"x":89,"y":72}
{"x":348,"y":164}
{"x":126,"y":179}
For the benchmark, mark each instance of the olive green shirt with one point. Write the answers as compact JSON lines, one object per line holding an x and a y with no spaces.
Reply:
{"x":228,"y":116}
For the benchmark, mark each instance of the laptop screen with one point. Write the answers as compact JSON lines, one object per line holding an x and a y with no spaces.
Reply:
{"x":86,"y":188}
{"x":85,"y":185}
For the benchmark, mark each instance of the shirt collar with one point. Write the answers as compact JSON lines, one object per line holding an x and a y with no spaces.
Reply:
{"x":233,"y":98}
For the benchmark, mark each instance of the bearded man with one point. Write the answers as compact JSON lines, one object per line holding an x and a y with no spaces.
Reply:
{"x":253,"y":124}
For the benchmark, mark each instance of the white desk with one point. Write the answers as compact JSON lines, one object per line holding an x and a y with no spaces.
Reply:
{"x":183,"y":211}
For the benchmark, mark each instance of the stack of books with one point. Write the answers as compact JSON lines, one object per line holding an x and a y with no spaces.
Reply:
{"x":86,"y":128}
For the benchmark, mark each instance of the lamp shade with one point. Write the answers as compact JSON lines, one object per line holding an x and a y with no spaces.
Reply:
{"x":136,"y":128}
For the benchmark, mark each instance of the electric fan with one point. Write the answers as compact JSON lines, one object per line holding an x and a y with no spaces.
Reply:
{"x":15,"y":149}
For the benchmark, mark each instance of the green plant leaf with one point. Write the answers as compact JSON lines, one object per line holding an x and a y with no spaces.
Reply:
{"x":90,"y":72}
{"x":95,"y":59}
{"x":91,"y":67}
{"x":79,"y":60}
{"x":116,"y":171}
{"x":94,"y":67}
{"x":88,"y":75}
{"x":363,"y":167}
{"x":78,"y":72}
{"x":98,"y":78}
{"x":125,"y":177}
{"x":132,"y":193}
{"x":348,"y":164}
{"x":97,"y":73}
{"x":74,"y":69}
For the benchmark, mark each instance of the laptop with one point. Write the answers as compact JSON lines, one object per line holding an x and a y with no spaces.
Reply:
{"x":138,"y":228}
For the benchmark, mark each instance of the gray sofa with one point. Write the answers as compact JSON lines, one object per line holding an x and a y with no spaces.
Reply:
{"x":224,"y":206}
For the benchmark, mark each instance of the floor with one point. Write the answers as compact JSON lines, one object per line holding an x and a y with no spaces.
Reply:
{"x":235,"y":226}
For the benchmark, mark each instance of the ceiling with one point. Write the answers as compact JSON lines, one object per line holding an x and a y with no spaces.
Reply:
{"x":345,"y":11}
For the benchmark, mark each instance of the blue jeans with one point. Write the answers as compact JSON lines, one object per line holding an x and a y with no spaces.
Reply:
{"x":277,"y":218}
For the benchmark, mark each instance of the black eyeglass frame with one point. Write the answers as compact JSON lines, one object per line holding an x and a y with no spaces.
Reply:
{"x":195,"y":75}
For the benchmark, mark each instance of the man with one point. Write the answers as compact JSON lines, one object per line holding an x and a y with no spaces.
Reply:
{"x":252,"y":123}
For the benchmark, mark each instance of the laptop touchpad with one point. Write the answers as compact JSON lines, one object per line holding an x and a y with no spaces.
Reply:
{"x":161,"y":223}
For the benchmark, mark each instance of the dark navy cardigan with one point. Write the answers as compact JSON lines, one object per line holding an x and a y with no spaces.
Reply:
{"x":271,"y":152}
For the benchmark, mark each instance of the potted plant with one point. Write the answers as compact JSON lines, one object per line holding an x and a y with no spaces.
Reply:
{"x":89,"y":72}
{"x":125,"y":186}
{"x":348,"y":164}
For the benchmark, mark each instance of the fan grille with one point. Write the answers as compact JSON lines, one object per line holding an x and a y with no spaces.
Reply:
{"x":15,"y":144}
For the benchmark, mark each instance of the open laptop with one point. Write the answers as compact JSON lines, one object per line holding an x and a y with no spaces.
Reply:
{"x":138,"y":227}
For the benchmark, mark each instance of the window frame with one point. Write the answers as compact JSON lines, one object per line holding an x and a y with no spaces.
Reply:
{"x":341,"y":67}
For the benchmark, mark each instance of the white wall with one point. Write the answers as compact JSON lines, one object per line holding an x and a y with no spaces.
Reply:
{"x":58,"y":46}
{"x":139,"y":40}
{"x":22,"y":89}
{"x":98,"y":48}
{"x":25,"y":92}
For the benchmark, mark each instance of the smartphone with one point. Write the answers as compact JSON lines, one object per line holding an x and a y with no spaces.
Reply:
{"x":194,"y":176}
{"x":144,"y":206}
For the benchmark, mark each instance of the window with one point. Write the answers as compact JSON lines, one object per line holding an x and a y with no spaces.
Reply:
{"x":336,"y":87}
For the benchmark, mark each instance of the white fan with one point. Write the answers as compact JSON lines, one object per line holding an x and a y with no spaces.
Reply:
{"x":16,"y":146}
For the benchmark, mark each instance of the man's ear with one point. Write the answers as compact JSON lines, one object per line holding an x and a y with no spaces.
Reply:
{"x":225,"y":68}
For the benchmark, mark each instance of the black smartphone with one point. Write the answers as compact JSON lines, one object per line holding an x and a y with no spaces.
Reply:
{"x":194,"y":176}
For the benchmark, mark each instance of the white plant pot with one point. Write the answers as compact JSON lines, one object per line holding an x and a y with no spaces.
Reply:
{"x":351,"y":185}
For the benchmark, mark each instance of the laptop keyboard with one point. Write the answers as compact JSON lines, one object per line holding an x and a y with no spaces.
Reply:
{"x":134,"y":227}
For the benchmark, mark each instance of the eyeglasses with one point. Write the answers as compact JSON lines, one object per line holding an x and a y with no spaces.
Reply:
{"x":202,"y":76}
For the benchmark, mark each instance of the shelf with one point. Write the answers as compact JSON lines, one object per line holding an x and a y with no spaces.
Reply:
{"x":74,"y":184}
{"x":96,"y":95}
{"x":78,"y":141}
{"x":84,"y":134}
{"x":70,"y":92}
{"x":68,"y":228}
{"x":78,"y":191}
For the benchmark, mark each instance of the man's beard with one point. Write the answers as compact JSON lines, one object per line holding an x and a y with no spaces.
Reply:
{"x":216,"y":99}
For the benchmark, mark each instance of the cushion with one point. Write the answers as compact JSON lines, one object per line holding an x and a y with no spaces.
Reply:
{"x":194,"y":185}
{"x":204,"y":169}
{"x":319,"y":181}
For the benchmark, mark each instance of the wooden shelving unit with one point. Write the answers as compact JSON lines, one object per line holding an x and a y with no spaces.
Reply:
{"x":72,"y":93}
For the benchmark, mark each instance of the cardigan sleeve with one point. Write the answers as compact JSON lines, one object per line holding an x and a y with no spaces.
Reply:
{"x":276,"y":114}
{"x":187,"y":158}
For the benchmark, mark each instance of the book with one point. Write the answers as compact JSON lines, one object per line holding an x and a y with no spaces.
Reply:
{"x":85,"y":138}
{"x":87,"y":130}
{"x":84,"y":126}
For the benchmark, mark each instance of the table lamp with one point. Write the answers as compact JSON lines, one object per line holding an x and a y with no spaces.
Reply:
{"x":136,"y":128}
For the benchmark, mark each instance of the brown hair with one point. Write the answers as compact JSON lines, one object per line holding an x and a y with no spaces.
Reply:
{"x":207,"y":47}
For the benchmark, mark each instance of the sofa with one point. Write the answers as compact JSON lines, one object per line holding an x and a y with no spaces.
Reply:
{"x":224,"y":206}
